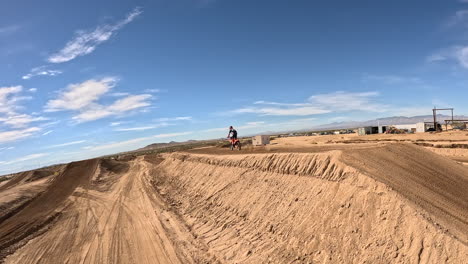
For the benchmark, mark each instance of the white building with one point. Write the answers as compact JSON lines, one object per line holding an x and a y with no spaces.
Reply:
{"x":260,"y":140}
{"x":420,"y":127}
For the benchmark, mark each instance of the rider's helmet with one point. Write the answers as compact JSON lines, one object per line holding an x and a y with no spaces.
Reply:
{"x":230,"y":127}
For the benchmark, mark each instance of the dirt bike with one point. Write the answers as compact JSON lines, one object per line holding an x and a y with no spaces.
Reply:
{"x":235,"y":143}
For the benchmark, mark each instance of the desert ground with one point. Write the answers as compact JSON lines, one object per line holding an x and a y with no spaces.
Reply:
{"x":315,"y":199}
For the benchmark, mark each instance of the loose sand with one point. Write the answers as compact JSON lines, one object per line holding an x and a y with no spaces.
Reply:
{"x":299,"y":200}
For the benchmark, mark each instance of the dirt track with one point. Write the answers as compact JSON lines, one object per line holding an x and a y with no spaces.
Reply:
{"x":377,"y":203}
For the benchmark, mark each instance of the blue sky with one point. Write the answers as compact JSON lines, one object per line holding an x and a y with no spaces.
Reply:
{"x":85,"y":78}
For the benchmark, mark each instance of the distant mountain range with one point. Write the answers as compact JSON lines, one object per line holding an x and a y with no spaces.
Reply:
{"x":165,"y":145}
{"x":394,"y":120}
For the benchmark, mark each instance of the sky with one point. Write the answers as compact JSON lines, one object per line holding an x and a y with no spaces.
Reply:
{"x":80,"y":79}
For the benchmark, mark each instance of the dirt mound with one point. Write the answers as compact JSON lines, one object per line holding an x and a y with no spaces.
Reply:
{"x":370,"y":204}
{"x":97,"y":211}
{"x":30,"y":176}
{"x":435,"y":183}
{"x":43,"y":209}
{"x":321,"y":165}
{"x":268,"y":208}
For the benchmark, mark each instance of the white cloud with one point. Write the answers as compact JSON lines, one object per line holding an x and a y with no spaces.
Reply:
{"x":121,"y":106}
{"x":6,"y":148}
{"x":319,"y":104}
{"x":135,"y":128}
{"x":9,"y":107}
{"x":436,"y":58}
{"x":115,"y":145}
{"x":152,"y":90}
{"x":457,"y":54}
{"x":81,"y":95}
{"x":9,"y":29}
{"x":83,"y":98}
{"x":67,"y":144}
{"x":462,"y":56}
{"x":392,"y":79}
{"x":413,"y":111}
{"x":85,"y":42}
{"x":347,"y":101}
{"x":20,"y":120}
{"x":459,"y":18}
{"x":143,"y":128}
{"x":14,"y":135}
{"x":280,"y":104}
{"x":115,"y":123}
{"x":129,"y":103}
{"x":133,"y":142}
{"x":119,"y":94}
{"x":41,"y":71}
{"x":292,"y":111}
{"x":7,"y":98}
{"x":25,"y":158}
{"x":179,"y":118}
{"x":47,"y":133}
{"x":33,"y":90}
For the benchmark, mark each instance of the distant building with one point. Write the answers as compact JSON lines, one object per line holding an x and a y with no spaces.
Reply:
{"x":420,"y":127}
{"x":368,"y":130}
{"x":260,"y":140}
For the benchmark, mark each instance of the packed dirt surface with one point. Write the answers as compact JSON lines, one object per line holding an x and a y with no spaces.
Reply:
{"x":386,"y":201}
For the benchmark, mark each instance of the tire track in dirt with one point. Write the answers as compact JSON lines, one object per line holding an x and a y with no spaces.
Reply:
{"x":121,"y":225}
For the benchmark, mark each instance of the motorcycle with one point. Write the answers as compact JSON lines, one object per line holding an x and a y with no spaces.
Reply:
{"x":235,"y":143}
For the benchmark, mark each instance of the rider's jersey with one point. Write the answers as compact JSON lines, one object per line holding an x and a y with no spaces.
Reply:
{"x":233,"y":133}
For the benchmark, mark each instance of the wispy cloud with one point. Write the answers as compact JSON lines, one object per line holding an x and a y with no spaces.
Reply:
{"x":81,"y":95}
{"x":25,"y":158}
{"x":41,"y":71}
{"x":85,"y":42}
{"x":142,"y":128}
{"x":152,"y":90}
{"x":9,"y":29}
{"x":318,"y":104}
{"x":119,"y":94}
{"x":20,"y":120}
{"x":6,"y":148}
{"x":121,"y":106}
{"x":413,"y":111}
{"x":459,"y":18}
{"x":133,"y":142}
{"x":275,"y":111}
{"x":348,"y":101}
{"x":67,"y":144}
{"x":83,"y":98}
{"x":8,"y":97}
{"x":168,"y":119}
{"x":47,"y":133}
{"x":391,"y":79}
{"x":11,"y":116}
{"x":32,"y":90}
{"x":454,"y":53}
{"x":458,"y":54}
{"x":14,"y":135}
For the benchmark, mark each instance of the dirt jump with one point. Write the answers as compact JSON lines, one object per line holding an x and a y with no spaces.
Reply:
{"x":379,"y":203}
